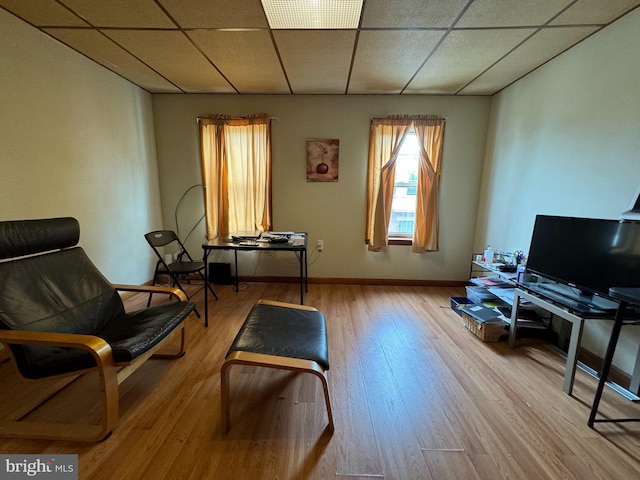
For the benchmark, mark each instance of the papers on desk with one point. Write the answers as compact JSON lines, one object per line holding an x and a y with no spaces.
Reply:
{"x":282,"y":237}
{"x":298,"y":238}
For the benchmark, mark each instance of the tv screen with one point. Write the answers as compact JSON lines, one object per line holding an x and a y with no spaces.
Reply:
{"x":589,"y":254}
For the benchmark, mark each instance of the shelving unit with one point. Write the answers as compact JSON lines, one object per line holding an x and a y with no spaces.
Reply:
{"x":499,"y":290}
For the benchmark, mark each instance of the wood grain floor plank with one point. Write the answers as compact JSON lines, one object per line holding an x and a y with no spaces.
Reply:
{"x":415,"y":396}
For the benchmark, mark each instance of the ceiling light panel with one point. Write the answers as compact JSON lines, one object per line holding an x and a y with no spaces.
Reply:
{"x":312,"y":14}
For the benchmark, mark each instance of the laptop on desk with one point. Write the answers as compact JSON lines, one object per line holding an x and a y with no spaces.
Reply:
{"x":244,"y":236}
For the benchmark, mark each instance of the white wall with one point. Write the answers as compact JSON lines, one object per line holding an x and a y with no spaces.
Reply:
{"x":77,"y":140}
{"x":565,"y":140}
{"x":334,"y":212}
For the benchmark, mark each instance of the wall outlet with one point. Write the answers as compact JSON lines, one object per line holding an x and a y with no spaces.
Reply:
{"x":320,"y":245}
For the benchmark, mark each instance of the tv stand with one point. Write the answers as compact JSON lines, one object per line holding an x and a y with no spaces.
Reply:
{"x":577,"y":324}
{"x":556,"y":307}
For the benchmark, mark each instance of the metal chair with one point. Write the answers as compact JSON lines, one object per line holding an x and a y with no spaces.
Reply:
{"x":184,"y":265}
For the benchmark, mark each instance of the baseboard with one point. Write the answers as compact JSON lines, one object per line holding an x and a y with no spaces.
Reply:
{"x":595,"y":362}
{"x":360,"y":281}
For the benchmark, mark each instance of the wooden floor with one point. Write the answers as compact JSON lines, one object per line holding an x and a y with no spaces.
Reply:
{"x":414,"y":394}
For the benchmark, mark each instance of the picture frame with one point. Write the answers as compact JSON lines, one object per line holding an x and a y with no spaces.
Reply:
{"x":323,"y":160}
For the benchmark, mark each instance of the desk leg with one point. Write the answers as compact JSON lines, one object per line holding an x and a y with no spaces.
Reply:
{"x":572,"y":355}
{"x":206,"y":284}
{"x":514,"y":320}
{"x":235,"y":254}
{"x":608,"y":358}
{"x":306,"y":271}
{"x":302,"y":260}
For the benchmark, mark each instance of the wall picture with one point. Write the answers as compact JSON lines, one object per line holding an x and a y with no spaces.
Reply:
{"x":322,"y":160}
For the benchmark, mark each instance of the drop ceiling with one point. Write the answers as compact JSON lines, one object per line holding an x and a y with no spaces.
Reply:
{"x":438,"y":47}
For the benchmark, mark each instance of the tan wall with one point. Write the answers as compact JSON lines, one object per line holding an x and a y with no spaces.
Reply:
{"x":565,"y":141}
{"x":77,"y":140}
{"x":334,"y":212}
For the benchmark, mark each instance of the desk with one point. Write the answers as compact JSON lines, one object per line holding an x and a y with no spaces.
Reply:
{"x":225,"y":243}
{"x":626,"y":296}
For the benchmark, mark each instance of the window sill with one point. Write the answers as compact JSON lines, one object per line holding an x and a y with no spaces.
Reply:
{"x":400,"y":241}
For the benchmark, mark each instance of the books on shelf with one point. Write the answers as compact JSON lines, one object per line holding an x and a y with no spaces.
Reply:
{"x":491,"y":282}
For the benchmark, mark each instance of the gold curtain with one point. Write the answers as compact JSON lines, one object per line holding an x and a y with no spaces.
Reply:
{"x":385,"y":139}
{"x":430,"y":136}
{"x":236,"y":170}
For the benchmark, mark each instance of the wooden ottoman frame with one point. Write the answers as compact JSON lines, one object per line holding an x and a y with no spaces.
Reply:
{"x":313,"y":363}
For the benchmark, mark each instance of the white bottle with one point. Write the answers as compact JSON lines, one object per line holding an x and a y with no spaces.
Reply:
{"x":488,"y":255}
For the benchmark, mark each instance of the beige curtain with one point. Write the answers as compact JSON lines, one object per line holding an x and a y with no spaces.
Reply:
{"x":385,"y":139}
{"x":236,"y":170}
{"x":430,"y":135}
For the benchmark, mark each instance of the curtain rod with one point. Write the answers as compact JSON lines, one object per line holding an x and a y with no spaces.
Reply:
{"x":231,"y":117}
{"x":373,"y":117}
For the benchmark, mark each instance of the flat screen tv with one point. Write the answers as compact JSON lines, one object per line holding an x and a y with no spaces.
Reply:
{"x":591,"y":255}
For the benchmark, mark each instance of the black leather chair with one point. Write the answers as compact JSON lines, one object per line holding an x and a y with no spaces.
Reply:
{"x":59,"y":316}
{"x":184,"y":265}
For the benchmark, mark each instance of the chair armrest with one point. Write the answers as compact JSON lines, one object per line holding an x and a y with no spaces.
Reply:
{"x":100,"y":349}
{"x":174,"y":292}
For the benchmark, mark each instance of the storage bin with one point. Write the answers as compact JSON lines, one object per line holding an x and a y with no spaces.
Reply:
{"x":457,"y":302}
{"x":479,"y":294}
{"x":485,"y":323}
{"x":487,"y":332}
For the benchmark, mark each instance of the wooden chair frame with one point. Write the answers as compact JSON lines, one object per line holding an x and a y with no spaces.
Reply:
{"x":110,"y":376}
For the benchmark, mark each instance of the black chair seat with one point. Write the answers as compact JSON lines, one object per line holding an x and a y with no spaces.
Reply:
{"x":183,"y":268}
{"x":284,"y":332}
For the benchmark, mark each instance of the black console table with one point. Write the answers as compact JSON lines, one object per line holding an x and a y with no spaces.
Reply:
{"x":299,"y":248}
{"x":627,"y":297}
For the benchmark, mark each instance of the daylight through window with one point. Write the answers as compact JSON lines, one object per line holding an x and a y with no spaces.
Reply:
{"x":403,"y":206}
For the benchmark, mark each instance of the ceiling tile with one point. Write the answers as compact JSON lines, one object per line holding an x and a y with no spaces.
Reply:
{"x":462,"y":56}
{"x":594,"y":11}
{"x":316,"y":61}
{"x":247,"y":58}
{"x":226,"y":46}
{"x":217,"y":13}
{"x":511,"y":13}
{"x":386,"y":60}
{"x":411,"y":13}
{"x":172,"y":55}
{"x":103,"y":51}
{"x":543,"y":46}
{"x":43,"y":13}
{"x":121,"y":13}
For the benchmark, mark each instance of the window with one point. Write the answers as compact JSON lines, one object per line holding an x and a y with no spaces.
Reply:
{"x":403,"y":181}
{"x":236,"y":170}
{"x":405,"y":189}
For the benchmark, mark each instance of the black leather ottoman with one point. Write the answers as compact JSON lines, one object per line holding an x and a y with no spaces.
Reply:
{"x":279,"y":335}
